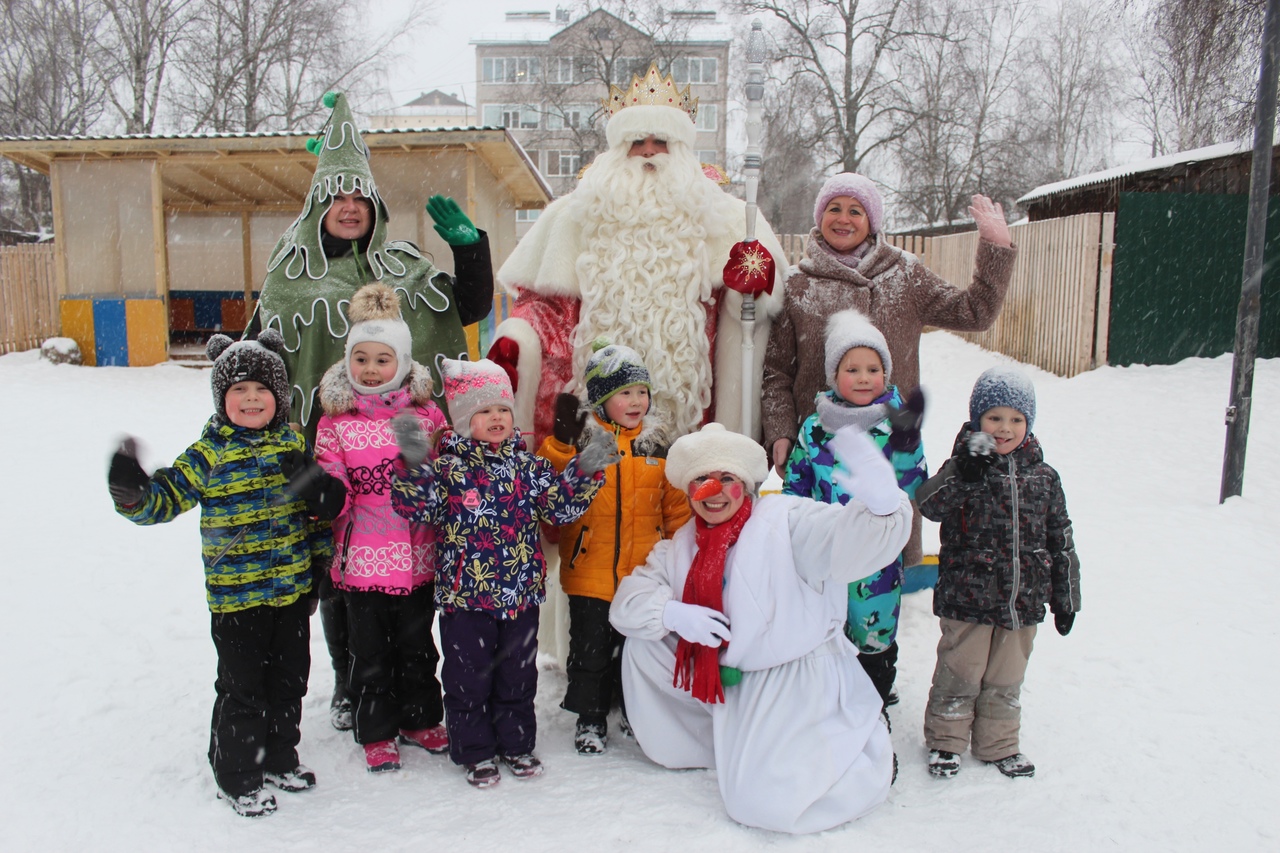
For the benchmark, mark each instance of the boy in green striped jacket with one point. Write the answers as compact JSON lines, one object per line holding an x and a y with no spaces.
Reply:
{"x":260,"y":496}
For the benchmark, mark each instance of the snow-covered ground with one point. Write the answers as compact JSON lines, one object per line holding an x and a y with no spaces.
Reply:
{"x":1152,"y":725}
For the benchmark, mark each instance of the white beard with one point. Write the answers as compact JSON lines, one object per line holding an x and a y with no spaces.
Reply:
{"x":645,"y":275}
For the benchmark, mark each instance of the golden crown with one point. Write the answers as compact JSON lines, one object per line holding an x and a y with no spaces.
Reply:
{"x":651,"y":90}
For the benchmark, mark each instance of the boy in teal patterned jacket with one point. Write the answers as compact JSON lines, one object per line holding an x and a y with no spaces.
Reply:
{"x":258,"y":490}
{"x":858,"y":369}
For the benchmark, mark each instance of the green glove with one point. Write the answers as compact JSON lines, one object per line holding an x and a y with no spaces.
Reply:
{"x":452,"y":224}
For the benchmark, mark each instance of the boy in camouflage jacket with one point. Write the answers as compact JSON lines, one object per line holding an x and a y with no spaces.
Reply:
{"x":1007,"y":551}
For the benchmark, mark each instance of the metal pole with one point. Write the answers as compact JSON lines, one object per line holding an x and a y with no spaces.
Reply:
{"x":1246,"y":345}
{"x":751,"y":167}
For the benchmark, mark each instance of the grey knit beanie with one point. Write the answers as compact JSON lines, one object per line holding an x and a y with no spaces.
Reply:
{"x":1002,"y":386}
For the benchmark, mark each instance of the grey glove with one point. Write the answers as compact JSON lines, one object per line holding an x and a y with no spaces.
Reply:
{"x":411,"y":439}
{"x":599,"y":452}
{"x":871,"y":478}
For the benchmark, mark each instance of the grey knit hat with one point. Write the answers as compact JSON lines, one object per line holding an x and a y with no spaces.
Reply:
{"x":849,"y":329}
{"x":470,"y":386}
{"x":611,"y":368}
{"x":1002,"y":386}
{"x":249,"y":361}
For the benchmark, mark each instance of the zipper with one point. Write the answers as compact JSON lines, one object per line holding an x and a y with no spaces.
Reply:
{"x":617,"y":512}
{"x":1017,"y":545}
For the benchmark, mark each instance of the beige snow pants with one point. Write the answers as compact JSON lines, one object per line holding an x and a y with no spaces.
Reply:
{"x":976,"y":688}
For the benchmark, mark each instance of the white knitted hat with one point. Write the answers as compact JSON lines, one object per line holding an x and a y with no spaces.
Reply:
{"x":714,"y":448}
{"x":374,"y":313}
{"x":849,"y":329}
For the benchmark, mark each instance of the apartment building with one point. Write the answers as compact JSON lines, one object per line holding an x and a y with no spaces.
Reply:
{"x":544,"y":76}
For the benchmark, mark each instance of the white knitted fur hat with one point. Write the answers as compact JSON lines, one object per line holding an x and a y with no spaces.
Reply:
{"x":470,"y":386}
{"x":374,"y":313}
{"x":849,"y":329}
{"x":714,"y":448}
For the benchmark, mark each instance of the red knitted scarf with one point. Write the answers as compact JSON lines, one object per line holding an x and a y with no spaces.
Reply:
{"x":698,"y":666}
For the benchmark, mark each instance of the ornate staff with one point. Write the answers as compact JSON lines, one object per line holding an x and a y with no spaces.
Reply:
{"x":751,"y":167}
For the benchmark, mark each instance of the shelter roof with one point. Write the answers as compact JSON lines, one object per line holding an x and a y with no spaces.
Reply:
{"x":273,"y":169}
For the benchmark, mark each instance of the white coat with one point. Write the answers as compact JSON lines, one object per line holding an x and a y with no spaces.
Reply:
{"x":798,"y":745}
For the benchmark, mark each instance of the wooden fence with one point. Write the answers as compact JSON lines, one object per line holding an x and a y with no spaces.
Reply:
{"x":28,"y":297}
{"x":1057,"y":312}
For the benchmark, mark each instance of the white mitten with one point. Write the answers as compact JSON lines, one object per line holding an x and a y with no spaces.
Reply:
{"x":696,"y":623}
{"x":869,"y":478}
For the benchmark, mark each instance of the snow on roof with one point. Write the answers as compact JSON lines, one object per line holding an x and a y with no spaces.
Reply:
{"x":263,"y":134}
{"x":1196,"y":155}
{"x":538,"y":28}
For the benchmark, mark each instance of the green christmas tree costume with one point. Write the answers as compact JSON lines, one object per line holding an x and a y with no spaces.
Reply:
{"x":306,"y":293}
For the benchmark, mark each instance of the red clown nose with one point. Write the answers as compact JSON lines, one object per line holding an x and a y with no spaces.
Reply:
{"x":708,"y":489}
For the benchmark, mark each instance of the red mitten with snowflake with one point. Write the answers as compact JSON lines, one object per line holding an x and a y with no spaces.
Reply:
{"x":750,"y":269}
{"x":505,"y":353}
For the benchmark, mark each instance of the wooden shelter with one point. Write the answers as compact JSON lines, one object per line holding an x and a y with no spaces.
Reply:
{"x":171,"y":233}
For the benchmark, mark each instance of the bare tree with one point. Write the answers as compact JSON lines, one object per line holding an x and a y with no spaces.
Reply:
{"x":136,"y":45}
{"x":47,"y":88}
{"x":1066,"y":96}
{"x":958,"y":123}
{"x":843,"y":46}
{"x":263,"y":64}
{"x":1195,"y":62}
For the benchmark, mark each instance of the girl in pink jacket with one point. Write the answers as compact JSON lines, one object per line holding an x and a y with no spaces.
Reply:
{"x":383,"y":565}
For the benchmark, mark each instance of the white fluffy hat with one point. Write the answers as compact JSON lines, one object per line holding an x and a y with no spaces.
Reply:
{"x":849,"y":329}
{"x":374,"y":313}
{"x":634,"y":123}
{"x":714,"y":448}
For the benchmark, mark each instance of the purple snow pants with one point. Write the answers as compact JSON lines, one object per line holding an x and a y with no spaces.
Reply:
{"x":490,"y":676}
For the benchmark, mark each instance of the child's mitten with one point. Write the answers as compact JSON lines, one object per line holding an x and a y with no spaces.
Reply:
{"x":870,"y":477}
{"x":324,"y":493}
{"x":569,"y":421}
{"x":126,"y":480}
{"x":599,"y":453}
{"x":411,"y":439}
{"x":1063,"y":622}
{"x":978,"y":454}
{"x":904,"y":435}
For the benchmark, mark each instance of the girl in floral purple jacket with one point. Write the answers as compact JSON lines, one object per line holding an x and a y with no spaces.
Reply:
{"x":383,"y":565}
{"x":486,"y":495}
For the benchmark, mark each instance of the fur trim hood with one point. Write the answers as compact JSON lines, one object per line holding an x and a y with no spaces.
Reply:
{"x":338,"y":398}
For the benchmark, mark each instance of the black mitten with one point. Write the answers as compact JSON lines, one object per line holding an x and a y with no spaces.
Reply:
{"x":569,"y":421}
{"x":977,"y":455}
{"x":904,"y":435}
{"x":325,"y":494}
{"x":126,"y":480}
{"x":1063,"y":622}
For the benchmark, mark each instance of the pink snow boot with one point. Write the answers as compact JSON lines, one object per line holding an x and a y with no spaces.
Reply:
{"x":382,"y":756}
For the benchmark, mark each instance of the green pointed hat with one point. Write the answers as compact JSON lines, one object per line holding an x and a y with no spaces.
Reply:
{"x":342,"y":167}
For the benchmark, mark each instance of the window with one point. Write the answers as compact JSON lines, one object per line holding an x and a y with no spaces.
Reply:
{"x":706,"y":117}
{"x":561,"y":69}
{"x":512,"y":116}
{"x":569,"y":116}
{"x":511,"y":69}
{"x":528,"y":215}
{"x":626,"y":67}
{"x":563,"y":163}
{"x":708,"y":155}
{"x":694,"y":70}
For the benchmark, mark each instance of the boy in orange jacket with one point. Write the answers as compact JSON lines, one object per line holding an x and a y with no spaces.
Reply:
{"x":634,"y":509}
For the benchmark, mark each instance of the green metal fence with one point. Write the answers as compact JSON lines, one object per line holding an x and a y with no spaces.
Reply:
{"x":1176,"y":282}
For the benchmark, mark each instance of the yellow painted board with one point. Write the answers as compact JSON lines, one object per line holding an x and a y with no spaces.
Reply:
{"x":77,"y":324}
{"x":473,"y":340}
{"x":147,"y":328}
